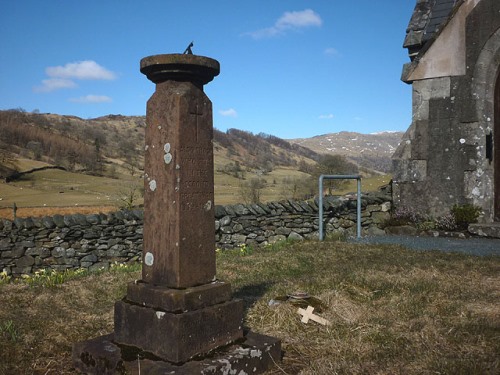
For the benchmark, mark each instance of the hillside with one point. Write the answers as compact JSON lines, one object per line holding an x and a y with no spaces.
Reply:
{"x":371,"y":151}
{"x":52,"y":160}
{"x":94,"y":145}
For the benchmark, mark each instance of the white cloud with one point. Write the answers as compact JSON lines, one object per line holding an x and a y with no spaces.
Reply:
{"x":303,"y":18}
{"x":326,"y":117}
{"x":53,"y":84}
{"x":289,"y":21}
{"x":228,"y":112}
{"x":330,"y":51}
{"x":62,"y":77}
{"x":87,"y":69}
{"x":92,"y":99}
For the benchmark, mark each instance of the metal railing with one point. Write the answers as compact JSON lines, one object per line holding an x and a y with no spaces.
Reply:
{"x":358,"y":205}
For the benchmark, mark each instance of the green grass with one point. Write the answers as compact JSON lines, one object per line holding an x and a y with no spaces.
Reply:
{"x":391,"y":310}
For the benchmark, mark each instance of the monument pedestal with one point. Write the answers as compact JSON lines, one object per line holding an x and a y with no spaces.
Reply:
{"x":178,"y":319}
{"x":159,"y":330}
{"x":177,"y":325}
{"x":253,"y":354}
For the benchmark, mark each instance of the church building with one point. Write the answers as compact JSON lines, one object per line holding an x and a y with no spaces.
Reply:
{"x":450,"y":154}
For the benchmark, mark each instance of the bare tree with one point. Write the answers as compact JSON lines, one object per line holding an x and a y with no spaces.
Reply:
{"x":250,"y":190}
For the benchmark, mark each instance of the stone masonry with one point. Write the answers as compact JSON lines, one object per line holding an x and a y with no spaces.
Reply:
{"x":449,"y":155}
{"x":97,"y":241}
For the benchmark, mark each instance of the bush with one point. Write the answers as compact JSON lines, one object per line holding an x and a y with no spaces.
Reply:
{"x":459,"y":218}
{"x":406,"y":216}
{"x":465,"y":215}
{"x":446,"y":222}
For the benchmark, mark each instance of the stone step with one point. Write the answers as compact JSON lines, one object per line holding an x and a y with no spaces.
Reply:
{"x":485,"y":230}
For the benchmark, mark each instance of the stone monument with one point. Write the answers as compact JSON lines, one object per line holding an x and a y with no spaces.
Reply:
{"x":179,"y":317}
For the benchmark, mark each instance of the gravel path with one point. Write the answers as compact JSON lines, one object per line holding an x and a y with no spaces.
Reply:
{"x":472,"y":246}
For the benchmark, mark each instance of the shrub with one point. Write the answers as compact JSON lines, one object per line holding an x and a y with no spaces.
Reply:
{"x":406,"y":216}
{"x":446,"y":222}
{"x":427,"y":225}
{"x":465,"y":214}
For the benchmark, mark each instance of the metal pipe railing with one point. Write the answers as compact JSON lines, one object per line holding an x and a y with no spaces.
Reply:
{"x":358,"y":213}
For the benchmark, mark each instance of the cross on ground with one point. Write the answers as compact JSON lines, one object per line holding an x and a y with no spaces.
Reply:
{"x":307,"y":315}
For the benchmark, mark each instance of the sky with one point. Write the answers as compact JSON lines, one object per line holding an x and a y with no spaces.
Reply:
{"x":290,"y":68}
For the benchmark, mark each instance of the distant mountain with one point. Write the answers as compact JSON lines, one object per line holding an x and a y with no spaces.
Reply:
{"x":102,"y":145}
{"x":114,"y":143}
{"x":371,"y":151}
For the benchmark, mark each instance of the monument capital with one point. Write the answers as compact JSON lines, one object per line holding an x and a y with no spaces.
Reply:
{"x":180,"y":67}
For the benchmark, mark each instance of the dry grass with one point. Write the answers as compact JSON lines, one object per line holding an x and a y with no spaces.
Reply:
{"x":57,"y":188}
{"x":7,"y":213}
{"x":392,"y":311}
{"x":47,"y":321}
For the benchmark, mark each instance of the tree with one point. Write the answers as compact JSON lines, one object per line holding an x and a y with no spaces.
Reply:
{"x":250,"y":190}
{"x":36,"y":149}
{"x":127,"y":198}
{"x":132,"y":165}
{"x":94,"y":163}
{"x":334,"y":165}
{"x":298,"y":188}
{"x":306,"y":167}
{"x":7,"y":161}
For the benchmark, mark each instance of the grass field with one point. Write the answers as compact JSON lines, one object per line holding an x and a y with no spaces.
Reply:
{"x":392,"y":311}
{"x":46,"y":192}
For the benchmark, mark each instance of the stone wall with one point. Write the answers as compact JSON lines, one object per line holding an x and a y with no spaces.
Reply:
{"x":96,"y":241}
{"x":72,"y":241}
{"x":443,"y":158}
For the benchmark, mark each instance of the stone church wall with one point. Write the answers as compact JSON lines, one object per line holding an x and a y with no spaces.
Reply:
{"x":96,"y":241}
{"x":442,"y":159}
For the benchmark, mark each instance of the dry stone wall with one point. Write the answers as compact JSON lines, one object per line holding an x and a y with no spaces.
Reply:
{"x":96,"y":241}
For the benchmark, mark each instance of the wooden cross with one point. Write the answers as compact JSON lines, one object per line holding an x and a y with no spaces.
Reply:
{"x":307,"y":315}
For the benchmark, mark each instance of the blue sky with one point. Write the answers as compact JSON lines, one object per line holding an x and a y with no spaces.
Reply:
{"x":289,"y":68}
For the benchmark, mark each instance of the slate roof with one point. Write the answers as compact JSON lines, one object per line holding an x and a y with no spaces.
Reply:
{"x":425,"y":23}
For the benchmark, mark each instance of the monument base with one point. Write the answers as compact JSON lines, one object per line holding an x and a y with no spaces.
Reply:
{"x":253,"y":354}
{"x":178,"y":324}
{"x":160,"y":330}
{"x":178,"y":337}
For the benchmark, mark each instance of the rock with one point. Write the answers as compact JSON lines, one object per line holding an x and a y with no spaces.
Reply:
{"x":485,"y":230}
{"x":386,"y":206}
{"x":282,"y":230}
{"x":237,"y":228}
{"x":25,"y":261}
{"x":5,"y":244}
{"x":89,"y":258}
{"x":59,"y":221}
{"x":219,"y":211}
{"x":294,"y":236}
{"x":380,"y":217}
{"x":48,"y":222}
{"x":80,"y":219}
{"x":58,"y":252}
{"x":225,"y":221}
{"x":95,"y":219}
{"x":239,"y":238}
{"x":240,"y":210}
